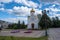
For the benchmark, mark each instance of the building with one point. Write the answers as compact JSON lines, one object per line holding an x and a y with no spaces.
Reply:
{"x":3,"y":24}
{"x":32,"y":20}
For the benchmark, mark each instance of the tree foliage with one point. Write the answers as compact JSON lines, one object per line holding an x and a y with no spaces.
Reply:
{"x":56,"y":22}
{"x":23,"y":26}
{"x":45,"y":20}
{"x":17,"y":25}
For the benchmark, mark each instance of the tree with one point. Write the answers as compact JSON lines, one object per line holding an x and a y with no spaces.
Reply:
{"x":23,"y":25}
{"x":18,"y":25}
{"x":10,"y":26}
{"x":45,"y":20}
{"x":56,"y":22}
{"x":39,"y":16}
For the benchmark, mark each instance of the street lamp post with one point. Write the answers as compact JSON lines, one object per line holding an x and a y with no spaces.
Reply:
{"x":44,"y":12}
{"x":46,"y":34}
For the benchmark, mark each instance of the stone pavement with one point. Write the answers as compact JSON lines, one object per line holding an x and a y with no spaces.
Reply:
{"x":54,"y":34}
{"x":35,"y":33}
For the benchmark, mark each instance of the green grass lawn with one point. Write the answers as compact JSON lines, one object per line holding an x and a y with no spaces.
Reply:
{"x":21,"y":38}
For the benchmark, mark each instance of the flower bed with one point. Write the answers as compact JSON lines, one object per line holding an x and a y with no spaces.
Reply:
{"x":15,"y":31}
{"x":29,"y":31}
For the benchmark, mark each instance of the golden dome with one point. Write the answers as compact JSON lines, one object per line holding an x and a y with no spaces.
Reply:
{"x":32,"y":10}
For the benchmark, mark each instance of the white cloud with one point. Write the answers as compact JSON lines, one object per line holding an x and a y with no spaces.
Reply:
{"x":21,"y":11}
{"x":58,"y":15}
{"x":10,"y":11}
{"x":15,"y":20}
{"x":2,"y":9}
{"x":53,"y":5}
{"x":47,"y":0}
{"x":1,"y":5}
{"x":16,"y":8}
{"x":25,"y":11}
{"x":40,"y":5}
{"x":34,"y":5}
{"x":55,"y":15}
{"x":37,"y":11}
{"x":53,"y":9}
{"x":18,"y":1}
{"x":6,"y":1}
{"x":51,"y":1}
{"x":27,"y":3}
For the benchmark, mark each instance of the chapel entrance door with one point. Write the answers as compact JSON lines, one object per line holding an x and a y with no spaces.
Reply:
{"x":32,"y":25}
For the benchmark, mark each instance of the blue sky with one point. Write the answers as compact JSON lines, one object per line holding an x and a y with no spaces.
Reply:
{"x":14,"y":10}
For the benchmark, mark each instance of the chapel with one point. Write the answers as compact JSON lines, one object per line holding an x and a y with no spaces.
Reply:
{"x":32,"y":20}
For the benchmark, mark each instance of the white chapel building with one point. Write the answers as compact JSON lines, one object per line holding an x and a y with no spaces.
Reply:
{"x":32,"y":20}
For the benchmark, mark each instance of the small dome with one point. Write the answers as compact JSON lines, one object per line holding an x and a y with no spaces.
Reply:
{"x":32,"y":10}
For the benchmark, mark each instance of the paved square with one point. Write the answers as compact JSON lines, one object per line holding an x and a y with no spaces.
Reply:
{"x":35,"y":33}
{"x":54,"y":34}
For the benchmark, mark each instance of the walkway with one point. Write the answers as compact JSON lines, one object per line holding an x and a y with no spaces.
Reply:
{"x":54,"y":34}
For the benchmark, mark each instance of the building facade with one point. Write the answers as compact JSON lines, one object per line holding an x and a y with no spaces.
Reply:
{"x":32,"y":20}
{"x":3,"y":24}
